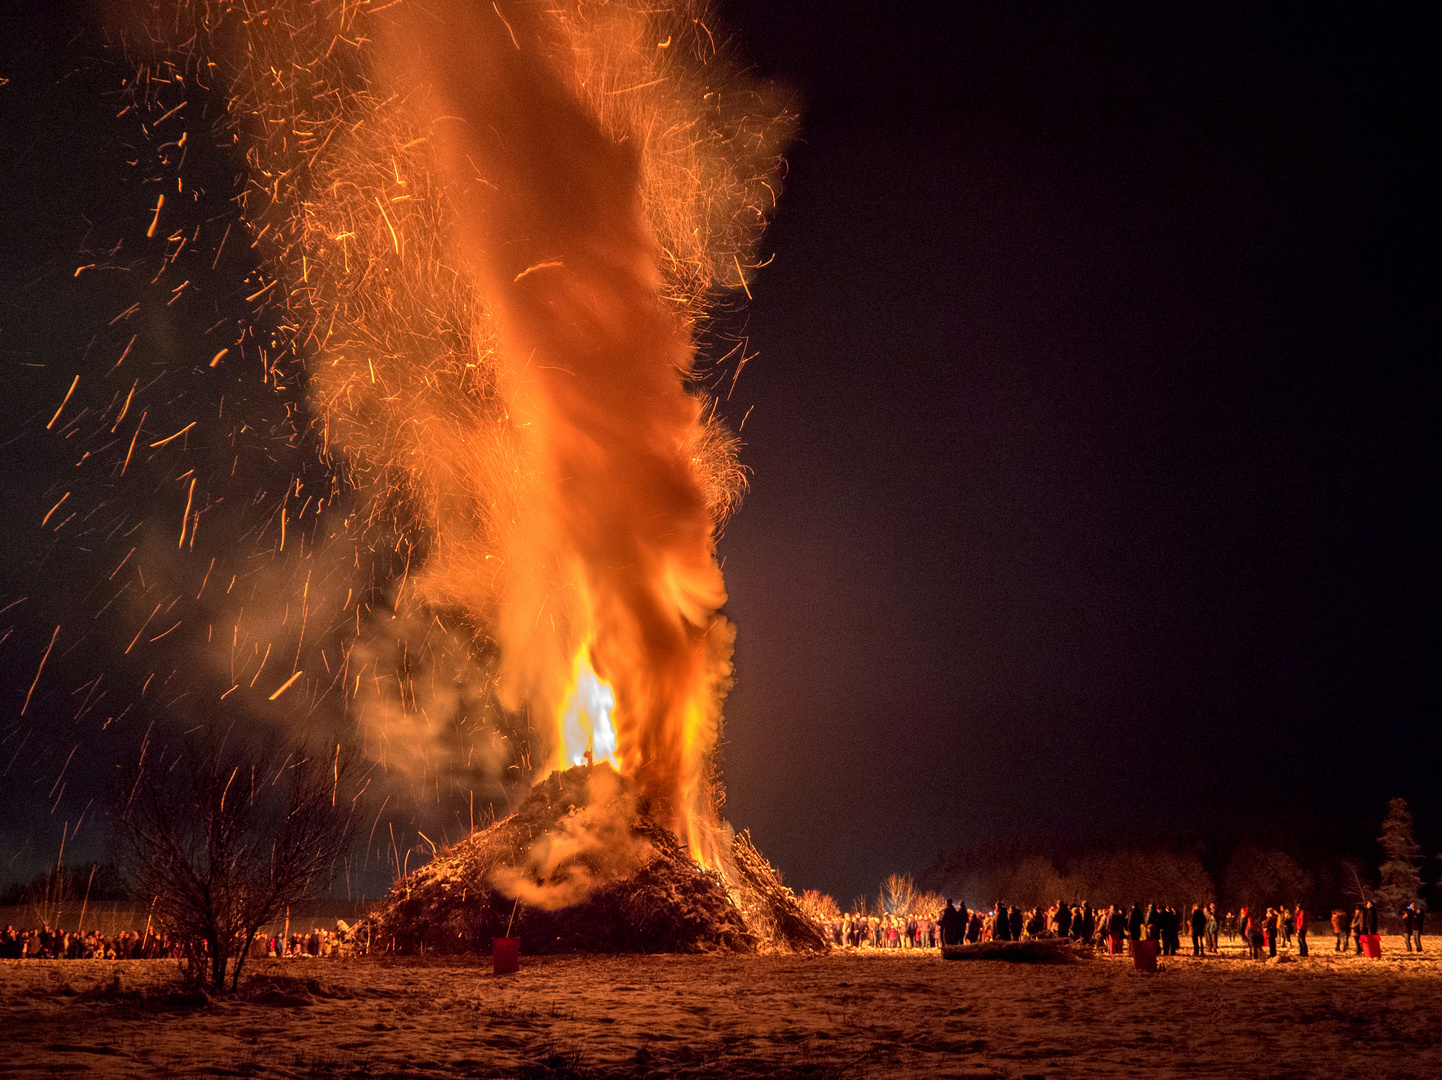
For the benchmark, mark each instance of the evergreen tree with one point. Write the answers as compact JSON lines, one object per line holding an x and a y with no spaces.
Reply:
{"x":1401,"y":880}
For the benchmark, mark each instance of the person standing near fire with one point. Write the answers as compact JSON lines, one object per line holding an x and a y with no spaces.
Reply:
{"x":1134,"y":923}
{"x":1199,"y":929}
{"x":950,"y":918}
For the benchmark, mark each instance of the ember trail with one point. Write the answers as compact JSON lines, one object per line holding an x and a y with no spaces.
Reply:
{"x":491,"y":236}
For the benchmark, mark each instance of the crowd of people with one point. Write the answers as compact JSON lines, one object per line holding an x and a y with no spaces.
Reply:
{"x":1350,"y":927}
{"x":1083,"y":923}
{"x":1261,"y":931}
{"x":46,"y":943}
{"x":1109,"y":928}
{"x":884,"y":931}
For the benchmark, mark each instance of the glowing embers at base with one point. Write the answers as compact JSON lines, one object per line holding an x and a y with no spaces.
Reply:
{"x":587,"y":734}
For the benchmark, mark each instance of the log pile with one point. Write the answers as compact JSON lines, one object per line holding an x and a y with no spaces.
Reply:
{"x":581,"y":867}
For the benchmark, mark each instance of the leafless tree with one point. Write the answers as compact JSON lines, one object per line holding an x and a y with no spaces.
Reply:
{"x":225,"y":839}
{"x":1356,"y":888}
{"x":897,"y":893}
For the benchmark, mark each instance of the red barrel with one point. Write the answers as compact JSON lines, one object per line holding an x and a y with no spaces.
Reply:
{"x":505,"y":955}
{"x":1371,"y":946}
{"x":1144,"y":956}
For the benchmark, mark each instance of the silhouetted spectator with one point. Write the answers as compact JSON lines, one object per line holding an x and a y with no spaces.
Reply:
{"x":1342,"y":927}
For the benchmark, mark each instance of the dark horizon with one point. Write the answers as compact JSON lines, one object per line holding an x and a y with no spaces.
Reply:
{"x":1088,"y":427}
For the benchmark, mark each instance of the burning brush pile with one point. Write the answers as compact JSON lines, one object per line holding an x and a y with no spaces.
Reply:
{"x":583,"y":866}
{"x":496,"y":233}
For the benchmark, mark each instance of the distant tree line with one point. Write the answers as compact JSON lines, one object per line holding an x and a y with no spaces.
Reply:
{"x":1040,"y":872}
{"x":102,"y":882}
{"x":983,"y":876}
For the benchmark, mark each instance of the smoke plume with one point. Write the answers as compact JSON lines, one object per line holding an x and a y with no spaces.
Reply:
{"x":495,"y":231}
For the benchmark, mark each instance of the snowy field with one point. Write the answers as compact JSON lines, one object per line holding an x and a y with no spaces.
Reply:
{"x":842,"y":1015}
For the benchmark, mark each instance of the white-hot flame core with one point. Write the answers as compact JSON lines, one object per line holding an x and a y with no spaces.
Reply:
{"x":586,"y":717}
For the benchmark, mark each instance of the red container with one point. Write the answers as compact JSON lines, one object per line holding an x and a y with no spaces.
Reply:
{"x":1371,"y":946}
{"x":505,"y":955}
{"x":1114,"y":945}
{"x":1144,"y":956}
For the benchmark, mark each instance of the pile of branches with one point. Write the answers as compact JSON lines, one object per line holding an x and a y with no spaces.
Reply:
{"x":771,"y":909}
{"x":640,"y":890}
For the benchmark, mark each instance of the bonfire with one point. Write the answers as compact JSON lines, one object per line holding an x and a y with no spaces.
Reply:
{"x":584,"y":866}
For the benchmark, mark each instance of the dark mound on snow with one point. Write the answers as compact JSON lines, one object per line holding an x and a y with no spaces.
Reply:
{"x":581,"y":867}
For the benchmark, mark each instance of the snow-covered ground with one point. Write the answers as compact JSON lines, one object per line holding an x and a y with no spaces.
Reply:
{"x":847,"y":1014}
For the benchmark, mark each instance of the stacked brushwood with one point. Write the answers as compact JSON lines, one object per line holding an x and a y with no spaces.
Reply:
{"x":643,"y":892}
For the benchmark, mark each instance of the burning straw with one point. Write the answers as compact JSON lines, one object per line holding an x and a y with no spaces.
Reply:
{"x":492,"y":231}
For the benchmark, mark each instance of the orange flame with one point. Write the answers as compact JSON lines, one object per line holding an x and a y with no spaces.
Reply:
{"x":551,"y":225}
{"x":499,"y":224}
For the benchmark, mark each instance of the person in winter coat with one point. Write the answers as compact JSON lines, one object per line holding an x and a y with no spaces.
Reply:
{"x":1300,"y":923}
{"x":1154,"y":922}
{"x":1199,"y":929}
{"x":1117,"y":928}
{"x":951,"y":920}
{"x":1252,"y":929}
{"x":1342,"y":927}
{"x":1368,"y":922}
{"x":1134,"y":923}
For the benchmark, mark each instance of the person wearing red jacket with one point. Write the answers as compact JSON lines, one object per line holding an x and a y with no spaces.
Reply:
{"x":1301,"y":925}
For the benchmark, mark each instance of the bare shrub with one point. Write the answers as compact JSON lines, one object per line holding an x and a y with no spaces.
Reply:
{"x":928,"y":904}
{"x":224,"y":840}
{"x":818,"y":905}
{"x":898,"y":893}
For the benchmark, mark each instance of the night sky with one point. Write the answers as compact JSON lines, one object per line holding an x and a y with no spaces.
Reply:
{"x":1090,"y":425}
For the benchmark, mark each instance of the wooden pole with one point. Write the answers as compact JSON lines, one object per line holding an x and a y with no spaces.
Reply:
{"x":144,"y":940}
{"x":86,"y":904}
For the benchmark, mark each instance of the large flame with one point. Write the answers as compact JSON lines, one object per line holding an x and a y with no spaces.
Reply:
{"x":551,"y":228}
{"x":499,"y":226}
{"x":586,"y":733}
